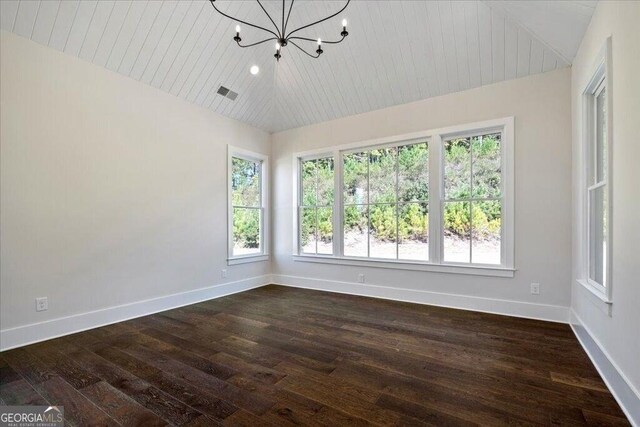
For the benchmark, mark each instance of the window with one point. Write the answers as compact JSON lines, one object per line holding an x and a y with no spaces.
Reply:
{"x":316,"y":210}
{"x":472,"y":204}
{"x":247,"y":172}
{"x":439,"y":200}
{"x":597,"y":187}
{"x":597,"y":191}
{"x":386,"y":202}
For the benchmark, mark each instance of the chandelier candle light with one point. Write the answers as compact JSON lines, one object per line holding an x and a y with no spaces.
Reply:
{"x":280,"y":34}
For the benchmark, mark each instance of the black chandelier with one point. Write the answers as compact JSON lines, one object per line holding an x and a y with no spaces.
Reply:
{"x":280,"y":34}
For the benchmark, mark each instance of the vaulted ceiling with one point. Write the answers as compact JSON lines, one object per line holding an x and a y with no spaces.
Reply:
{"x":397,"y":51}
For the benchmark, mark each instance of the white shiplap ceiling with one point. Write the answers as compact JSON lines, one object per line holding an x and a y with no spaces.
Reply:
{"x":397,"y":51}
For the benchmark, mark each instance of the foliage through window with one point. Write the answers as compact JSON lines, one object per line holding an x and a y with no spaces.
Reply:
{"x":434,"y":198}
{"x":386,"y":203}
{"x":246,"y":206}
{"x":316,"y":211}
{"x":472,"y":199}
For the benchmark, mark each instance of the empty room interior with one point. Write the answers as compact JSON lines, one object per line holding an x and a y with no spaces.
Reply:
{"x":326,"y":213}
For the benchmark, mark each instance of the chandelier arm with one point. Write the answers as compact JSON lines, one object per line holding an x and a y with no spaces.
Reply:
{"x":239,"y":20}
{"x":283,"y":7}
{"x":257,"y":43}
{"x":317,"y":22}
{"x":293,"y":43}
{"x":270,"y":18}
{"x":312,"y":40}
{"x":284,"y":29}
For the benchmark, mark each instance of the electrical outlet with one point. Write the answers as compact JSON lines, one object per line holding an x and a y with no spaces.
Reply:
{"x":361,"y":278}
{"x":535,"y":289}
{"x":42,"y":304}
{"x":225,"y":274}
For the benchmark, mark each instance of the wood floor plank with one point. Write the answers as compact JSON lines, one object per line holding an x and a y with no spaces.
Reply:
{"x":340,"y":399}
{"x":8,"y":374}
{"x":164,"y":405}
{"x":603,"y":419}
{"x":426,"y":415}
{"x":251,"y":370}
{"x":120,"y":407}
{"x":220,"y":388}
{"x":77,"y":408}
{"x":285,"y":356}
{"x":290,"y":408}
{"x":63,"y":366}
{"x":20,"y":392}
{"x":196,"y":397}
{"x":594,"y":383}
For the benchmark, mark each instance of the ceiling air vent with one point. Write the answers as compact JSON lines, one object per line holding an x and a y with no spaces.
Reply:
{"x":227,"y":93}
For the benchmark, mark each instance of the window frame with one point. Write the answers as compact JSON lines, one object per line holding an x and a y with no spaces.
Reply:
{"x":506,"y":191}
{"x":434,"y":139}
{"x":263,"y":255}
{"x":299,"y":206}
{"x":600,"y":79}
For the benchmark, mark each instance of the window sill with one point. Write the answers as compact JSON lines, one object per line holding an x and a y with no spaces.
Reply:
{"x":476,"y":270}
{"x":595,"y":291}
{"x":247,"y":259}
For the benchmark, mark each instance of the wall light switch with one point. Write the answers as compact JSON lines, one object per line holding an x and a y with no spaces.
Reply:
{"x":225,"y":273}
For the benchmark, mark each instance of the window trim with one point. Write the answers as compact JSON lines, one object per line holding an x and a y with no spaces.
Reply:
{"x":298,"y":207}
{"x":264,"y":209}
{"x":600,"y":78}
{"x":435,"y":139}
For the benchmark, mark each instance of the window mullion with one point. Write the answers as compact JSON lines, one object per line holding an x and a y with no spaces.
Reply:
{"x":317,"y":233}
{"x":397,"y":203}
{"x":368,"y":205}
{"x":300,"y":204}
{"x":435,"y":204}
{"x":470,"y":197}
{"x":338,"y":210}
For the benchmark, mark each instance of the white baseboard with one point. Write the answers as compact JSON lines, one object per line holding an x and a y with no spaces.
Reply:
{"x":625,"y":394}
{"x":551,"y":313}
{"x":42,"y":331}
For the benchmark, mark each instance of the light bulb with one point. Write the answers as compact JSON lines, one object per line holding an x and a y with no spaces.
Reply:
{"x":237,"y":28}
{"x":254,"y":70}
{"x":277,"y":46}
{"x":319,"y":42}
{"x":344,"y":22}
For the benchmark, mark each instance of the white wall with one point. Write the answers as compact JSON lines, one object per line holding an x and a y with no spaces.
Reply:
{"x":111,"y":191}
{"x":619,"y":332}
{"x":542,"y":108}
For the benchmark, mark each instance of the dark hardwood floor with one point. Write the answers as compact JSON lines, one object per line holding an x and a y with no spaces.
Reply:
{"x":281,"y":356}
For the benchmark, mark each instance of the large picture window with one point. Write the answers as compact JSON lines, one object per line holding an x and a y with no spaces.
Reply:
{"x":441,"y":198}
{"x":247,"y":212}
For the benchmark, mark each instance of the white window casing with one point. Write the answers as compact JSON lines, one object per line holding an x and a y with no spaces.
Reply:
{"x":595,"y":173}
{"x":264,"y":232}
{"x":435,"y":140}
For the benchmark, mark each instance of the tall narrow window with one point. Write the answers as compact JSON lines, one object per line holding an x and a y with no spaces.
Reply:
{"x":316,"y":206}
{"x":385,"y":203}
{"x":597,"y":184}
{"x":472,"y":203}
{"x":246,"y":204}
